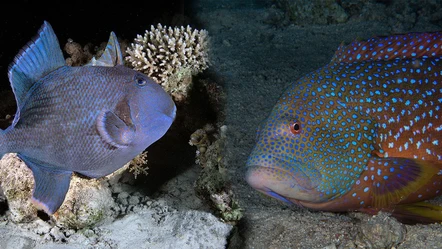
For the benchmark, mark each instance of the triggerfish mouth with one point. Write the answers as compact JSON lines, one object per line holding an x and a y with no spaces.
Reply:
{"x":363,"y":133}
{"x":90,"y":120}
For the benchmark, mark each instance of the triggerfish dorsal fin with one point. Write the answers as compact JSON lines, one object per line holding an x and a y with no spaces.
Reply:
{"x":39,"y":57}
{"x":401,"y":180}
{"x":111,"y":56}
{"x":407,"y":46}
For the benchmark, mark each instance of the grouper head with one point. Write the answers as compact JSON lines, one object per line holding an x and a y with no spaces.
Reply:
{"x":275,"y":166}
{"x":310,"y":148}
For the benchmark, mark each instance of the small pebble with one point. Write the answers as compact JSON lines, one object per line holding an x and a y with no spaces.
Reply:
{"x":57,"y":234}
{"x":382,"y":231}
{"x":134,"y":200}
{"x":41,"y":227}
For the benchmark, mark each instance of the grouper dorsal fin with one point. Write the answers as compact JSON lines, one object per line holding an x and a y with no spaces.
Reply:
{"x":111,"y":56}
{"x":39,"y":57}
{"x":406,"y":46}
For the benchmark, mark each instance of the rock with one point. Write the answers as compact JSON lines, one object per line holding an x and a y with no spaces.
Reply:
{"x":88,"y":202}
{"x":17,"y":183}
{"x":331,"y":246}
{"x":381,"y":231}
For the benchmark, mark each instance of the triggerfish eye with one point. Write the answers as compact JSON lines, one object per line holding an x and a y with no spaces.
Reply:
{"x":141,"y":81}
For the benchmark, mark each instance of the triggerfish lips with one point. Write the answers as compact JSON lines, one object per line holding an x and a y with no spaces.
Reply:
{"x":281,"y":184}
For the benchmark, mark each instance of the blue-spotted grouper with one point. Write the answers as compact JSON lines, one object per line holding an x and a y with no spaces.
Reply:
{"x":90,"y":120}
{"x":362,"y":133}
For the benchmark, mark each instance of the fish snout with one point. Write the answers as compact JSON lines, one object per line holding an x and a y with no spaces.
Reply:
{"x":286,"y":180}
{"x":166,"y":110}
{"x":172,"y":111}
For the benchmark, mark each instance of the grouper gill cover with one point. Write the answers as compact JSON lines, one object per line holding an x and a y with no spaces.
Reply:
{"x":90,"y":120}
{"x":362,"y":133}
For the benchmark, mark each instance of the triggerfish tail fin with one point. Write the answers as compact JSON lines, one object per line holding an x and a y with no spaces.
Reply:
{"x":402,"y":180}
{"x":406,"y":46}
{"x":50,"y":186}
{"x":39,"y":57}
{"x":420,"y":212}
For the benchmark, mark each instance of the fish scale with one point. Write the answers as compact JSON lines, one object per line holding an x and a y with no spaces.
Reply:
{"x":361,"y":133}
{"x":403,"y":113}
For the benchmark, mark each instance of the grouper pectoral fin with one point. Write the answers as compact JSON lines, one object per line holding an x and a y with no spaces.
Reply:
{"x":111,"y":57}
{"x":114,"y":130}
{"x":50,"y":187}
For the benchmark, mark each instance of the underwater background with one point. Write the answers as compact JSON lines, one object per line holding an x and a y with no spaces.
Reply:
{"x":258,"y":48}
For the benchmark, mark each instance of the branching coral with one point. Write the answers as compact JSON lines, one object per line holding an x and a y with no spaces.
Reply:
{"x":138,"y":165}
{"x":170,"y":56}
{"x":212,"y":183}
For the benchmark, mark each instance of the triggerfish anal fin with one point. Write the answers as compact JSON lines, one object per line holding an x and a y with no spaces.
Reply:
{"x":50,"y":185}
{"x":114,"y":130}
{"x":39,"y":57}
{"x":401,"y":180}
{"x":407,"y":46}
{"x":111,"y":56}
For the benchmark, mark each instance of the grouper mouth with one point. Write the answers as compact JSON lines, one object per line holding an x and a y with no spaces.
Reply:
{"x":288,"y":184}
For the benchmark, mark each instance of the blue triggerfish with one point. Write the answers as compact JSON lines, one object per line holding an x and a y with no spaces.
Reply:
{"x":90,"y":120}
{"x":363,"y":133}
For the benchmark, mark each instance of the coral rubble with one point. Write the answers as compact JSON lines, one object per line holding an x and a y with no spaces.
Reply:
{"x":212,"y":183}
{"x":78,"y":55}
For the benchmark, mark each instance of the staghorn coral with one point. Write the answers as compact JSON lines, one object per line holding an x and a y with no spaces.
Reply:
{"x":170,"y":56}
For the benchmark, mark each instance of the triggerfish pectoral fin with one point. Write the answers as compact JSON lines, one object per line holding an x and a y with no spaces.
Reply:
{"x":114,"y":130}
{"x":50,"y":187}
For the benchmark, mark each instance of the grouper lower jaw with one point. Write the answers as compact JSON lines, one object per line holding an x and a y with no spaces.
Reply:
{"x":281,"y":184}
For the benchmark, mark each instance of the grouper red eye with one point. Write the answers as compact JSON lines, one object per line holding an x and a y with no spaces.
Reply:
{"x":295,"y":128}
